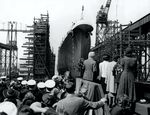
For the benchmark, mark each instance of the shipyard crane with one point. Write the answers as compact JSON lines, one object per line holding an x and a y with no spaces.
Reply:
{"x":102,"y":22}
{"x":105,"y":29}
{"x":103,"y":13}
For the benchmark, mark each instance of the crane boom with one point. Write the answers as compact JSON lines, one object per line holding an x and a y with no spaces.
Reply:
{"x":103,"y":13}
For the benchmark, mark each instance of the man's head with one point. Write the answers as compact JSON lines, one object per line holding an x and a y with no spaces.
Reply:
{"x":123,"y":101}
{"x":106,"y":57}
{"x":91,"y":54}
{"x":70,"y":87}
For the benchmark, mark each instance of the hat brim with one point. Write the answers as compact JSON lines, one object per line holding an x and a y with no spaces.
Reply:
{"x":6,"y":95}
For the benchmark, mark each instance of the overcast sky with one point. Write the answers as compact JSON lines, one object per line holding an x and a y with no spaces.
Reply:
{"x":63,"y":12}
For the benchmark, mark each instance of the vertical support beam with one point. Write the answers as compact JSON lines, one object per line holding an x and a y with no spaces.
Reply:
{"x":5,"y":63}
{"x":10,"y":56}
{"x":120,"y":40}
{"x":145,"y":65}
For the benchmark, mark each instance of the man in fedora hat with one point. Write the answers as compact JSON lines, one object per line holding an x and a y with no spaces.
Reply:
{"x":11,"y":95}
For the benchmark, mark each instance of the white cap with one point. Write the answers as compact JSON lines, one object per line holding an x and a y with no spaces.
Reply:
{"x":41,"y":85}
{"x":20,"y":78}
{"x":50,"y":83}
{"x":8,"y":107}
{"x":24,"y":82}
{"x":37,"y":107}
{"x":3,"y":77}
{"x":31,"y":82}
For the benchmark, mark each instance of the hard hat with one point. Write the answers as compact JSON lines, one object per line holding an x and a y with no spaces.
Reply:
{"x":41,"y":85}
{"x":31,"y":82}
{"x":24,"y":82}
{"x":50,"y":84}
{"x":20,"y":78}
{"x":3,"y":77}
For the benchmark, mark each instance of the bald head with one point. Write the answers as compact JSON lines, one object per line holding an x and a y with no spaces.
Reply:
{"x":91,"y":54}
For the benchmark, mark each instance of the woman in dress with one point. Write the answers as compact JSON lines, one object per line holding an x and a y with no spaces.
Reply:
{"x":126,"y":85}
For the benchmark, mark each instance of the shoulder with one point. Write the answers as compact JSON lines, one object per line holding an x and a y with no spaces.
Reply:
{"x":135,"y":59}
{"x":61,"y":102}
{"x":116,"y":110}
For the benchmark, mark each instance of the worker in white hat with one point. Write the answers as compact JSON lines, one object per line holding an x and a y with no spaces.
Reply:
{"x":24,"y":89}
{"x":20,"y":78}
{"x":24,"y":82}
{"x":3,"y":77}
{"x":41,"y":91}
{"x":31,"y":84}
{"x":33,"y":88}
{"x":49,"y":84}
{"x":18,"y":83}
{"x":41,"y":85}
{"x":50,"y":97}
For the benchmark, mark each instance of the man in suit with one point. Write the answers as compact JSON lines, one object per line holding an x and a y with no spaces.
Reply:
{"x":90,"y":67}
{"x":75,"y":105}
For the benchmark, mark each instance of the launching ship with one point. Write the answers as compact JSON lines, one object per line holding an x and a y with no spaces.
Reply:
{"x":75,"y":46}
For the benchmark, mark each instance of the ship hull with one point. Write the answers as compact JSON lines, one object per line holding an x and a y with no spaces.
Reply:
{"x":75,"y":46}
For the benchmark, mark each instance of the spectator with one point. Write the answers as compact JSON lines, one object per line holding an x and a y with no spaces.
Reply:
{"x":110,"y":83}
{"x":81,"y":67}
{"x":126,"y":85}
{"x":103,"y":71}
{"x":74,"y":105}
{"x":50,"y":111}
{"x":8,"y":107}
{"x":90,"y":68}
{"x":11,"y":95}
{"x":37,"y":108}
{"x":25,"y":110}
{"x":28,"y":99}
{"x":122,"y":107}
{"x":50,"y":97}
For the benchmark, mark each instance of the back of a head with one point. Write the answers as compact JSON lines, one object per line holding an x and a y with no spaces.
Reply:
{"x":128,"y":51}
{"x":70,"y":87}
{"x":25,"y":110}
{"x":91,"y":54}
{"x":106,"y":57}
{"x":50,"y":111}
{"x":123,"y":101}
{"x":8,"y":107}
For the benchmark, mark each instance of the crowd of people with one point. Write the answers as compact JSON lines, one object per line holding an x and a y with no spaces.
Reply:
{"x":58,"y":96}
{"x":54,"y":96}
{"x":22,"y":97}
{"x":116,"y":76}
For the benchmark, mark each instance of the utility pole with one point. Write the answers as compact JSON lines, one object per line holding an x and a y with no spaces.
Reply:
{"x":10,"y":56}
